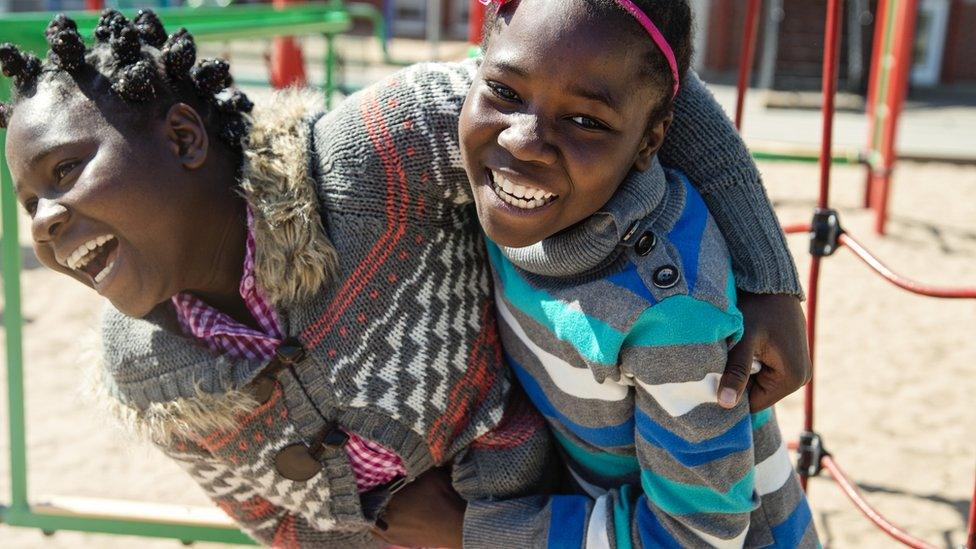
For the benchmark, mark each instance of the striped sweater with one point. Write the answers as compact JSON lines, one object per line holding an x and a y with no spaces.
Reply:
{"x":618,"y":330}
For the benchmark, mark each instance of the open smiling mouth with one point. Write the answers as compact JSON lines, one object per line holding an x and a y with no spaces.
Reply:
{"x":519,"y":196}
{"x":96,"y":258}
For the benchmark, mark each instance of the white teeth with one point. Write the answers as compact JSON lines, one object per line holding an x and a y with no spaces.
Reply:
{"x":520,"y":196}
{"x":104,"y":272}
{"x":84,"y":253}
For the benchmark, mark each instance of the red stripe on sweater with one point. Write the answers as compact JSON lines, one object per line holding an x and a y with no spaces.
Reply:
{"x":396,"y":188}
{"x":460,"y":401}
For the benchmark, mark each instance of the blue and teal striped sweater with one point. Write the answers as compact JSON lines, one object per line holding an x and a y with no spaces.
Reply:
{"x":618,"y":330}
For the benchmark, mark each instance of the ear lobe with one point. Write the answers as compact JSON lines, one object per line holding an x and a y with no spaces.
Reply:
{"x":187,"y":135}
{"x":653,"y":139}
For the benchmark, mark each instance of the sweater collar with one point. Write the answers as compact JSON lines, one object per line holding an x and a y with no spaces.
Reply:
{"x":592,"y":242}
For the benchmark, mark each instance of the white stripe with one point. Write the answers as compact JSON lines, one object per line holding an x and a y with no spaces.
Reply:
{"x":678,"y":399}
{"x":773,"y":472}
{"x":734,"y":543}
{"x":577,"y":382}
{"x":591,"y":490}
{"x":596,"y":530}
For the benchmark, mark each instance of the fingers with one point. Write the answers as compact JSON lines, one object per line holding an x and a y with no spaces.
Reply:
{"x":736,"y":375}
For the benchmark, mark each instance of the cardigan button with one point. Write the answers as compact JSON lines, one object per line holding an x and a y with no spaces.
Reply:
{"x":263,"y":389}
{"x":290,"y":351}
{"x":295,"y":462}
{"x":645,"y":243}
{"x":666,"y":277}
{"x":335,"y":438}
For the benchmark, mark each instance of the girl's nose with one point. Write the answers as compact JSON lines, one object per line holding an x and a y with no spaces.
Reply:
{"x":49,"y":218}
{"x":525,"y":140}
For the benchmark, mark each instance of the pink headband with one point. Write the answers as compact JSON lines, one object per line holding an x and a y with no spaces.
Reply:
{"x":645,"y":21}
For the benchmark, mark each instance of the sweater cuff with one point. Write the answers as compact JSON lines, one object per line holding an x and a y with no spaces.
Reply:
{"x":513,"y":523}
{"x":761,"y":259}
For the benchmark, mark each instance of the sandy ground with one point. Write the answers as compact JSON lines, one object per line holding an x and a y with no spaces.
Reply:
{"x":894,"y":384}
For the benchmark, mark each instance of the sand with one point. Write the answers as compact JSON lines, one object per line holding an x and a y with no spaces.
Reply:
{"x":894,"y":381}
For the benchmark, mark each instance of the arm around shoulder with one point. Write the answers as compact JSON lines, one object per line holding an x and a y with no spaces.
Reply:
{"x":703,"y":143}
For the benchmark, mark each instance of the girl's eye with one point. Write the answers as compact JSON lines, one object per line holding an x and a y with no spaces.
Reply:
{"x":31,"y":206}
{"x":502,"y":91}
{"x":63,"y":170}
{"x":588,"y":123}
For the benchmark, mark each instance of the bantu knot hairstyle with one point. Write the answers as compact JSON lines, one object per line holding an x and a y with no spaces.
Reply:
{"x":150,"y":28}
{"x":179,"y":54}
{"x":142,"y":67}
{"x":67,"y":47}
{"x":24,"y":68}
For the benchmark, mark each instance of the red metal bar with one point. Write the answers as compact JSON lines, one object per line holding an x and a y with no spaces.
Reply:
{"x":829,"y":87}
{"x":904,"y":283}
{"x":852,"y":493}
{"x":877,"y":56}
{"x":94,"y":5}
{"x":747,"y":57}
{"x":286,"y":63}
{"x":903,"y":55}
{"x":971,"y":538}
{"x":476,"y":21}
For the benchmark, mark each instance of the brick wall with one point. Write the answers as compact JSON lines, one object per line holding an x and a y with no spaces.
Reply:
{"x":960,"y":48}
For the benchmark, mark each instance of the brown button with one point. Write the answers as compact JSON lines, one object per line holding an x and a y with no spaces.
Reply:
{"x":290,"y":351}
{"x":263,"y":388}
{"x":294,"y":462}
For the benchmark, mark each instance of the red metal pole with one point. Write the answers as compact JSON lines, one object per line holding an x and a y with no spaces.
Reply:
{"x":971,"y":538}
{"x":747,"y":57}
{"x":902,"y":54}
{"x":829,"y":87}
{"x":287,"y":64}
{"x":476,"y":21}
{"x":877,"y":57}
{"x":94,"y":5}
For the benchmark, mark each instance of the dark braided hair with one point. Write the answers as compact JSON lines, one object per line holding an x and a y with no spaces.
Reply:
{"x":671,"y":17}
{"x":136,"y":67}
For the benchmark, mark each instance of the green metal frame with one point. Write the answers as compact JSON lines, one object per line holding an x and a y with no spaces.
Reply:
{"x":208,"y":24}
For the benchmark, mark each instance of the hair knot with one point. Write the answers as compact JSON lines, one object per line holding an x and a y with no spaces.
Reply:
{"x":110,"y":24}
{"x":211,"y":76}
{"x":179,"y":54}
{"x":125,"y":45}
{"x":60,"y":22}
{"x":234,"y":101}
{"x":67,"y":49}
{"x":134,"y":82}
{"x":22,"y":67}
{"x":150,"y":28}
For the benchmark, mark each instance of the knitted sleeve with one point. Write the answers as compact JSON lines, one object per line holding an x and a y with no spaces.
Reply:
{"x":696,"y":481}
{"x":265,"y":522}
{"x":704,"y":144}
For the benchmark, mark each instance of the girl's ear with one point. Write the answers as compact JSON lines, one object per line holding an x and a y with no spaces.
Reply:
{"x":653,"y":139}
{"x":187,"y":135}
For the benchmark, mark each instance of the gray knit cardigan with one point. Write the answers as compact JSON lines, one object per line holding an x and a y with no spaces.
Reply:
{"x":368,"y":246}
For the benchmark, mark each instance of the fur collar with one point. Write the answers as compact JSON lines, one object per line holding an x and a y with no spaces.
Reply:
{"x":294,"y":256}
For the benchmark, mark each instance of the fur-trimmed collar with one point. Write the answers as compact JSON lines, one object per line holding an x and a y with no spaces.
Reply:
{"x":294,"y":256}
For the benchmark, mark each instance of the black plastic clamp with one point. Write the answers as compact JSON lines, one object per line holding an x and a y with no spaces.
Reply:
{"x":824,"y":232}
{"x":810,"y":453}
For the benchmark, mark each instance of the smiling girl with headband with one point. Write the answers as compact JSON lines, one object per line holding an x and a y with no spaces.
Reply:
{"x":300,"y":302}
{"x":614,"y":288}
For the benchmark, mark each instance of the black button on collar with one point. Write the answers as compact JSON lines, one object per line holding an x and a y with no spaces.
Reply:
{"x":290,"y":351}
{"x":335,"y":438}
{"x":645,"y":243}
{"x":666,"y":277}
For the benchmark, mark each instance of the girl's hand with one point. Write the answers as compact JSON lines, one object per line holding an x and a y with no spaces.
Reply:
{"x":775,"y":333}
{"x":425,"y":513}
